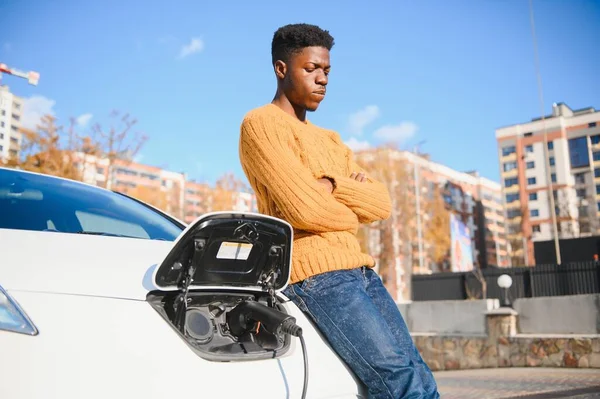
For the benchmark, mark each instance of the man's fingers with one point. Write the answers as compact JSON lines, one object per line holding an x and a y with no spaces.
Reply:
{"x":360,"y":177}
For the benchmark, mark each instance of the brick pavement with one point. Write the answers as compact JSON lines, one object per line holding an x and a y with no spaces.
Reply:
{"x":525,"y":383}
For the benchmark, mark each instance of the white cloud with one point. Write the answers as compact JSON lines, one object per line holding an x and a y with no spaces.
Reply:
{"x":83,"y":120}
{"x":361,"y":118}
{"x":195,"y":46}
{"x":34,"y":108}
{"x":356,"y":145}
{"x":396,"y":133}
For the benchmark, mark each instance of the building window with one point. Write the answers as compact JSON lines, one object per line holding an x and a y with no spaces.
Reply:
{"x":512,"y":197}
{"x":1,"y":148}
{"x":584,"y":227}
{"x":528,"y":134}
{"x":531,"y":181}
{"x":551,"y":145}
{"x":100,"y":171}
{"x":592,"y":124}
{"x":508,"y":150}
{"x":553,"y":177}
{"x":513,"y":213}
{"x":3,"y":112}
{"x":578,"y":152}
{"x":580,"y":178}
{"x":534,"y":213}
{"x":16,"y":117}
{"x":529,"y":148}
{"x":1,"y":136}
{"x":2,"y":124}
{"x":597,"y":190}
{"x":530,"y":165}
{"x":14,"y":128}
{"x":596,"y":172}
{"x":508,"y":166}
{"x":581,"y":192}
{"x":552,"y":161}
{"x":533,"y":197}
{"x":14,"y":139}
{"x":595,"y":139}
{"x":599,"y":206}
{"x":12,"y":152}
{"x":536,"y":228}
{"x":511,"y":182}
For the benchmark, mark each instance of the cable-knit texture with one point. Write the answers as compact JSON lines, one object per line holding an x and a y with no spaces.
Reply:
{"x":282,"y":158}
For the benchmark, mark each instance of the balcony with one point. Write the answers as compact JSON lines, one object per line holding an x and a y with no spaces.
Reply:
{"x":508,"y":158}
{"x":510,"y":173}
{"x":512,"y":189}
{"x":513,"y":204}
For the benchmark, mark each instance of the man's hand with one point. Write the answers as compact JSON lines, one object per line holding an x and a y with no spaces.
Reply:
{"x":326,"y":183}
{"x":358,"y":176}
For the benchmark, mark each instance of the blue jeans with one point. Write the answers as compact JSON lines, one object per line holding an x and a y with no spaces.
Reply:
{"x":362,"y":323}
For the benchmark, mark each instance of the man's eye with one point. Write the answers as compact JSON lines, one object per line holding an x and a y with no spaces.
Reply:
{"x":309,"y":70}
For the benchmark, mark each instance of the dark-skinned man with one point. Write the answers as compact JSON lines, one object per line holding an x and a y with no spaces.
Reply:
{"x":307,"y":176}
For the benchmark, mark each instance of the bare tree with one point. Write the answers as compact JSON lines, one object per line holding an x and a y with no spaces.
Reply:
{"x":44,"y":150}
{"x":118,"y":142}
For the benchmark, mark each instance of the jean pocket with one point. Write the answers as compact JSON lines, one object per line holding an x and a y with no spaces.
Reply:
{"x":323,"y":280}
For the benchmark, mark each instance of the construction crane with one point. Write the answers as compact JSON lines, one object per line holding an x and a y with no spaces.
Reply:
{"x":31,"y":76}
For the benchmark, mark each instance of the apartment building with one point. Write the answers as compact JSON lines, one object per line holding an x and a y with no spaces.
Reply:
{"x":414,"y":180}
{"x":550,"y":170}
{"x":11,"y":108}
{"x":170,"y":191}
{"x":158,"y":187}
{"x":198,"y":200}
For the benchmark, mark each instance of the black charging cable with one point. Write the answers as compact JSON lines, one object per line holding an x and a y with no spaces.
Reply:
{"x":244,"y":315}
{"x":289,"y":326}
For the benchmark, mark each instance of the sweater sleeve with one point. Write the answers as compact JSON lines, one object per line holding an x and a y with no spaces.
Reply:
{"x":369,"y":200}
{"x":266,"y":155}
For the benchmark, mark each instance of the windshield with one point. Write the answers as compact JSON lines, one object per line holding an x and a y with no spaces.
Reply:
{"x":42,"y":203}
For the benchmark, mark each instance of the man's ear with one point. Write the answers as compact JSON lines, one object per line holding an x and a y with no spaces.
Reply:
{"x":280,"y":69}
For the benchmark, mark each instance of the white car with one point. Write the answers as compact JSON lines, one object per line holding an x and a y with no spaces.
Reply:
{"x":102,"y":296}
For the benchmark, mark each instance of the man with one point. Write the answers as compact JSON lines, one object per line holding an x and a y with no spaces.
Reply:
{"x":306,"y":175}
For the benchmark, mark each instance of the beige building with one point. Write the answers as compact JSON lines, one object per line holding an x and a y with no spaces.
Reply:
{"x":550,"y":171}
{"x":170,"y":191}
{"x":198,"y":200}
{"x":11,"y":108}
{"x":414,"y":182}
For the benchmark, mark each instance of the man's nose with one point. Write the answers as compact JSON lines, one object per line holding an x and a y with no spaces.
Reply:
{"x":322,"y":79}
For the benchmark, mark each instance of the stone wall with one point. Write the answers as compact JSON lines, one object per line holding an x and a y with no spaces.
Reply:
{"x":455,"y":352}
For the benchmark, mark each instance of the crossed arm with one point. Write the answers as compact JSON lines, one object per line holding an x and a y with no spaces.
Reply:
{"x":331,"y":203}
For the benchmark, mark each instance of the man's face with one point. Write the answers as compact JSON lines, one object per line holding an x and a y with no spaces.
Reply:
{"x":306,"y":77}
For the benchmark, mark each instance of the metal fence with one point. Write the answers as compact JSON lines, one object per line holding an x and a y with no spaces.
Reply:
{"x":534,"y":281}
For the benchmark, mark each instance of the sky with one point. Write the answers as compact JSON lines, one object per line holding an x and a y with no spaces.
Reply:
{"x":445,"y":74}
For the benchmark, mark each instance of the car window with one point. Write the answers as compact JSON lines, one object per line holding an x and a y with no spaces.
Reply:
{"x":92,"y":222}
{"x":43,"y":203}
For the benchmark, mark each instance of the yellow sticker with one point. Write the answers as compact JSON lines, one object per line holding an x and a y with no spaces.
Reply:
{"x":234,"y":250}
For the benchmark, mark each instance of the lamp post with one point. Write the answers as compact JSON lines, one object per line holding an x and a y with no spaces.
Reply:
{"x":504,"y":282}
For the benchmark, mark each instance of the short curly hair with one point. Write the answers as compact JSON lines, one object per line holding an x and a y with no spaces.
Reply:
{"x":292,"y":38}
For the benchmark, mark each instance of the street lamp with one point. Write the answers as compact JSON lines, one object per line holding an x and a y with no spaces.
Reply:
{"x":504,"y":282}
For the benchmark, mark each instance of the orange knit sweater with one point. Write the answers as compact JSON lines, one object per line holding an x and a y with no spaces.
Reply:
{"x":282,"y":158}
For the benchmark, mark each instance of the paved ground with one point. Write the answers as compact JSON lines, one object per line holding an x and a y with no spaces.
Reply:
{"x":526,"y":383}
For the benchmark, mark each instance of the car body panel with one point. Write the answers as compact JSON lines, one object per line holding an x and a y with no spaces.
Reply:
{"x":79,"y":264}
{"x":90,"y":347}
